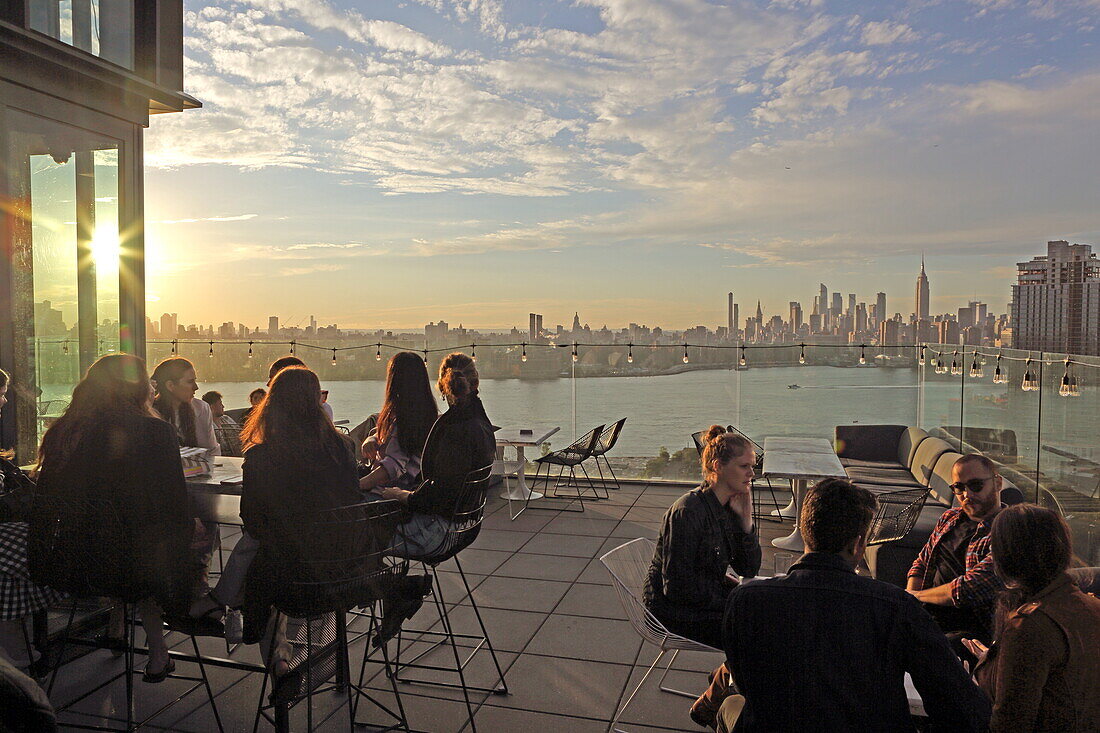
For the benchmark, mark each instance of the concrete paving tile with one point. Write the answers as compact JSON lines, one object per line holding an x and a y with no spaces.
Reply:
{"x":598,"y":601}
{"x":529,"y":521}
{"x":581,"y":525}
{"x":492,"y":718}
{"x":653,"y":707}
{"x":508,"y":630}
{"x":520,"y":594}
{"x":501,"y":539}
{"x":564,"y":686}
{"x":564,"y":545}
{"x":633,"y":528}
{"x":595,"y":573}
{"x":482,"y":562}
{"x":542,"y":567}
{"x":579,"y":637}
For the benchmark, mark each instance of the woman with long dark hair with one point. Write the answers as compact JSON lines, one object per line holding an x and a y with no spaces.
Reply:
{"x":703,"y":534}
{"x":175,"y":382}
{"x":408,"y":412}
{"x":295,"y":462}
{"x":460,"y":441}
{"x":19,"y":596}
{"x":109,"y":448}
{"x":1041,"y":671}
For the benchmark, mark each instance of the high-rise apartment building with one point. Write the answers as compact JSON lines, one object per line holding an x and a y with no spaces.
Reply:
{"x":851,"y":304}
{"x":837,"y":306}
{"x":169,"y":323}
{"x":795,"y":315}
{"x":921,"y":309}
{"x":272,"y":326}
{"x":880,"y":309}
{"x":1056,"y":301}
{"x":731,"y":320}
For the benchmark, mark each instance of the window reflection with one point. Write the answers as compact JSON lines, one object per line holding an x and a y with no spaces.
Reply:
{"x":103,"y":28}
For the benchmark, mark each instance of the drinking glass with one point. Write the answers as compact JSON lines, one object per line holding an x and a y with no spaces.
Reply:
{"x":783,"y":562}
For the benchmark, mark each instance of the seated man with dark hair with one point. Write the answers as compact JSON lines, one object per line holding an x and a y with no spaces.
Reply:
{"x":953,"y":574}
{"x":824,"y":649}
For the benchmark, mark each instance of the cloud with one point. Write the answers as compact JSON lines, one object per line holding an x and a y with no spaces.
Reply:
{"x":309,"y":270}
{"x":1036,"y":70}
{"x":884,"y":33}
{"x":238,"y":217}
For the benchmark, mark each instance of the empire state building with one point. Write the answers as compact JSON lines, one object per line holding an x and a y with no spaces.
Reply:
{"x":922,"y":293}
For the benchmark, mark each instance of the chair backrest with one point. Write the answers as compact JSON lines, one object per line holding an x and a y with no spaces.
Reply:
{"x":925,"y":457}
{"x":894,"y":520}
{"x":908,"y":443}
{"x":628,"y":564}
{"x":465,"y":521}
{"x":939,"y":482}
{"x":332,"y":559}
{"x":608,"y":437}
{"x":229,"y":438}
{"x":582,"y":448}
{"x":697,"y":438}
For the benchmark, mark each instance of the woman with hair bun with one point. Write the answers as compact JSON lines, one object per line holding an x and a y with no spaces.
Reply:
{"x":176,"y":385}
{"x":1041,"y":672}
{"x":460,"y":440}
{"x":703,"y":534}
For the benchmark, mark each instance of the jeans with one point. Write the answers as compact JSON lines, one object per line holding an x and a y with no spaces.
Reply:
{"x":230,"y":587}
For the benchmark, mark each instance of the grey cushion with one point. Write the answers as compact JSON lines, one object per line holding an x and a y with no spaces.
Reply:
{"x":925,"y":457}
{"x":892,"y":476}
{"x":908,"y":443}
{"x":940,"y":480}
{"x":857,"y":463}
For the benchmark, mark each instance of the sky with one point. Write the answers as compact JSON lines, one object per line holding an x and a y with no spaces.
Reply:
{"x":387,"y":164}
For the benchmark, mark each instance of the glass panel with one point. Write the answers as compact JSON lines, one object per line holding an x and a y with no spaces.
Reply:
{"x":103,"y":28}
{"x":66,"y":243}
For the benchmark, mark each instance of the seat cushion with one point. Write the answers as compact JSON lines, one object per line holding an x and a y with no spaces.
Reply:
{"x":857,"y":463}
{"x":867,"y":442}
{"x":908,"y":443}
{"x":880,"y":475}
{"x":940,"y":480}
{"x":925,"y":457}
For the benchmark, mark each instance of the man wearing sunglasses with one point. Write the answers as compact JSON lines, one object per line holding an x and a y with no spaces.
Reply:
{"x":953,"y":574}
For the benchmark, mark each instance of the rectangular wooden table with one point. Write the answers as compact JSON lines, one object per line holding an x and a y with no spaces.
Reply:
{"x":801,"y":460}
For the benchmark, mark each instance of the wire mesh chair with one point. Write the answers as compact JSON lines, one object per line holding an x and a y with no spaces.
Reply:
{"x":628,"y":565}
{"x":897,"y":514}
{"x":463,"y":529}
{"x":62,"y":531}
{"x":608,"y":437}
{"x":758,"y":468}
{"x":325,"y":563}
{"x":572,"y":457}
{"x":229,"y":439}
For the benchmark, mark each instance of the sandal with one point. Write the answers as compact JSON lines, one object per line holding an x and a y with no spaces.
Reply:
{"x":155,"y":678}
{"x":204,"y":625}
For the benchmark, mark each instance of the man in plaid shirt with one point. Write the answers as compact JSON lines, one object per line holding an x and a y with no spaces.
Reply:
{"x":953,"y":574}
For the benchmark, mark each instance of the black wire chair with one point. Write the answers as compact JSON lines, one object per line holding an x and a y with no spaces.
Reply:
{"x":463,"y":528}
{"x":229,"y":439}
{"x":326,"y":563}
{"x":62,"y":531}
{"x":697,"y":438}
{"x":608,"y":438}
{"x":897,"y":514}
{"x":570,"y":457}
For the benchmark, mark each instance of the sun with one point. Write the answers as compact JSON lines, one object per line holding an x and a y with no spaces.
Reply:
{"x":105,"y":248}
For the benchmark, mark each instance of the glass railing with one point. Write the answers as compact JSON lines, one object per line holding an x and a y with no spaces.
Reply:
{"x":1035,"y":414}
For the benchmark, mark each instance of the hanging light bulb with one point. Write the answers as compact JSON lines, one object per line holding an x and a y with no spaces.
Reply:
{"x":1074,"y":388}
{"x":574,"y":352}
{"x":939,"y":364}
{"x":473,"y":352}
{"x":334,"y":357}
{"x":65,"y":347}
{"x":523,"y":354}
{"x":920,"y":355}
{"x":802,"y":354}
{"x":630,"y":353}
{"x":999,"y":375}
{"x":1030,"y":383}
{"x":976,"y":368}
{"x":743,"y":361}
{"x":174,"y":342}
{"x":1068,"y":387}
{"x":378,"y":353}
{"x":862,"y":354}
{"x":425,"y":357}
{"x":292,"y":345}
{"x":249,"y":349}
{"x":956,"y":367}
{"x":211,"y":354}
{"x":685,"y":353}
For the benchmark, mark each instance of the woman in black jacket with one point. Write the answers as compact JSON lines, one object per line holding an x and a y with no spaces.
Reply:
{"x":703,"y":534}
{"x":110,"y":449}
{"x":460,"y":441}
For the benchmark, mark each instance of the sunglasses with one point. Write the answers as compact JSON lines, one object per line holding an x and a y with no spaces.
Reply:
{"x":974,"y":486}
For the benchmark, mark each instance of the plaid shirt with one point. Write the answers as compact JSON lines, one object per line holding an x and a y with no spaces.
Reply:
{"x":978,"y":586}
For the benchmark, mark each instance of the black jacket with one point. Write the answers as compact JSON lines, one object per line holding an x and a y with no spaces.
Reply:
{"x":461,"y":440}
{"x":700,"y":540}
{"x":824,"y":649}
{"x":133,"y":462}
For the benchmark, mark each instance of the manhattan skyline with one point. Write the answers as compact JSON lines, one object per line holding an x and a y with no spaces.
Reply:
{"x":383,"y":165}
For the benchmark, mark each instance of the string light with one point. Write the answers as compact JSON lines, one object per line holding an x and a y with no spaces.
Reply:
{"x":473,"y":352}
{"x":920,"y":355}
{"x":743,"y":361}
{"x":976,"y":368}
{"x":802,"y":354}
{"x":292,"y":345}
{"x":685,"y":353}
{"x":523,"y":354}
{"x":939,"y":364}
{"x":65,"y":347}
{"x":862,"y":354}
{"x":574,"y":352}
{"x":630,"y":353}
{"x":1074,"y":388}
{"x":211,"y":354}
{"x":425,"y":357}
{"x":1069,"y":386}
{"x":174,"y":344}
{"x":999,"y":375}
{"x":1030,"y":383}
{"x":249,"y":349}
{"x":956,"y":367}
{"x":378,"y":353}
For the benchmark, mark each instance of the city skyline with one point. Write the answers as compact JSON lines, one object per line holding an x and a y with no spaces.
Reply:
{"x":384,"y":164}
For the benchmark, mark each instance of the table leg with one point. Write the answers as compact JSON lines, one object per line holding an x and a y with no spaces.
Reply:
{"x":793,"y":541}
{"x":788,"y":512}
{"x":520,"y":492}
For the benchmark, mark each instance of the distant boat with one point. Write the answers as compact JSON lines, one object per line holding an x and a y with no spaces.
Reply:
{"x":793,"y":386}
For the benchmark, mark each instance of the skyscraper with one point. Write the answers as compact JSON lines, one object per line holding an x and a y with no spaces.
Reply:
{"x":795,"y":315}
{"x":731,"y":322}
{"x":851,"y":304}
{"x":169,"y":322}
{"x":1056,"y":301}
{"x":532,"y":330}
{"x":272,"y":325}
{"x":880,"y":309}
{"x":822,"y":298}
{"x":922,"y":294}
